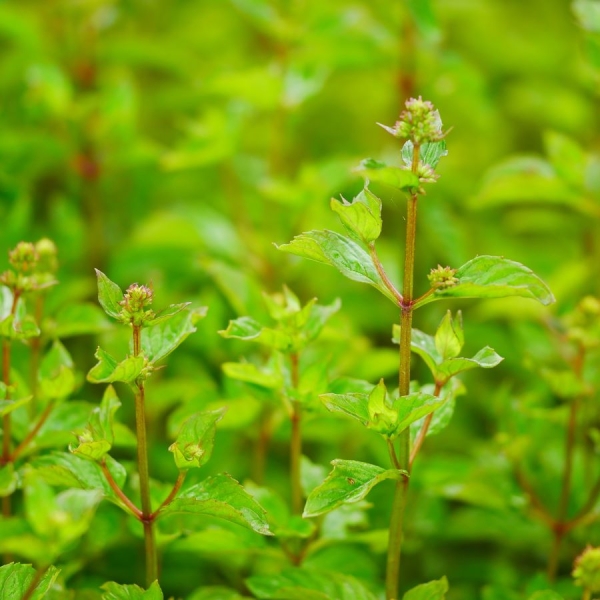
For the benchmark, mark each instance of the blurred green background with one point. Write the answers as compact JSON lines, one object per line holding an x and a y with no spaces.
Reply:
{"x":173,"y":142}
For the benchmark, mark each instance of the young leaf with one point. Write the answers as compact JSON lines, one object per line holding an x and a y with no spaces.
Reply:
{"x":355,"y":405}
{"x":346,"y":255}
{"x":16,"y":578}
{"x":350,"y":481}
{"x":449,"y":337}
{"x":247,"y":329}
{"x":494,"y":277}
{"x":19,"y":328}
{"x":414,"y":406}
{"x":110,"y":295}
{"x":486,"y":358}
{"x":116,"y":591}
{"x":108,"y":370}
{"x":362,"y":216}
{"x":401,"y":179}
{"x":382,"y":418}
{"x":250,"y":373}
{"x":434,"y":590}
{"x":318,"y":315}
{"x":56,"y":374}
{"x":98,"y":437}
{"x":195,"y":441}
{"x":221,"y":496}
{"x":429,"y":153}
{"x":166,"y":313}
{"x":160,"y":340}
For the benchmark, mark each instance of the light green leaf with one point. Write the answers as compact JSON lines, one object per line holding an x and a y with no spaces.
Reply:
{"x":316,"y":317}
{"x":160,"y":340}
{"x":250,"y":373}
{"x":449,"y":337}
{"x":434,"y":590}
{"x":8,"y":480}
{"x":413,"y":407}
{"x":382,"y":418}
{"x":16,"y":578}
{"x":116,"y":591}
{"x":422,"y":344}
{"x":196,"y":439}
{"x":56,"y":375}
{"x":248,"y":329}
{"x":567,"y":156}
{"x":166,"y":313}
{"x":97,"y":438}
{"x":494,"y":277}
{"x":429,"y":153}
{"x":108,"y":370}
{"x":110,"y":295}
{"x":221,"y":496}
{"x":355,"y":405}
{"x":486,"y":358}
{"x":350,"y":481}
{"x":346,"y":255}
{"x":362,"y":216}
{"x":19,"y":327}
{"x":374,"y":170}
{"x":7,"y":406}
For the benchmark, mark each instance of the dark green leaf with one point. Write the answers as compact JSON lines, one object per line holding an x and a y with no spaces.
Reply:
{"x":110,"y":295}
{"x":350,"y":481}
{"x":221,"y":496}
{"x":346,"y":255}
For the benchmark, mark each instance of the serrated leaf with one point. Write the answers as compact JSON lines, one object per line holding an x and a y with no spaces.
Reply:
{"x":221,"y":496}
{"x":429,"y":153}
{"x":335,"y":250}
{"x":196,"y":439}
{"x":160,"y":340}
{"x":56,"y":374}
{"x":110,"y":295}
{"x":494,"y":277}
{"x":434,"y":590}
{"x":355,"y":405}
{"x":400,"y":179}
{"x":117,"y":591}
{"x":15,"y":579}
{"x":413,"y":407}
{"x":362,"y":216}
{"x":250,"y":373}
{"x":248,"y":329}
{"x":108,"y":370}
{"x":449,"y":337}
{"x":97,"y":438}
{"x":350,"y":481}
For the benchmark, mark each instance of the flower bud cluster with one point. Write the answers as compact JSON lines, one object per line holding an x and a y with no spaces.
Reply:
{"x":442,"y":277}
{"x":32,"y":266}
{"x":419,"y":122}
{"x":586,"y":569}
{"x":583,"y":324}
{"x":136,"y":299}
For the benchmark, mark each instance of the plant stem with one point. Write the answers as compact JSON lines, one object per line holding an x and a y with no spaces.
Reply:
{"x":296,"y":441}
{"x":135,"y":511}
{"x":425,"y":428}
{"x":386,"y":280}
{"x":34,"y":431}
{"x":176,"y":487}
{"x":399,"y":503}
{"x":36,"y":347}
{"x":143,"y":471}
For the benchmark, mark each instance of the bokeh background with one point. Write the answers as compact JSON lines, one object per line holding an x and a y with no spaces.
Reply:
{"x":174,"y":142}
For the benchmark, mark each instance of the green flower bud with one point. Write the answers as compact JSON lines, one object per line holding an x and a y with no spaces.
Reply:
{"x":136,"y":299}
{"x":47,"y":255}
{"x":586,"y":569}
{"x":419,"y":122}
{"x":442,"y":277}
{"x":23,"y":257}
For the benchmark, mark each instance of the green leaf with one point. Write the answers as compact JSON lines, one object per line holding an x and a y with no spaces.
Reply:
{"x":8,"y":480}
{"x":166,"y":313}
{"x":248,"y":329}
{"x":116,"y":591}
{"x":347,"y":256}
{"x":160,"y":340}
{"x":18,"y":327}
{"x":382,"y":418}
{"x":308,"y":584}
{"x":434,"y":590}
{"x":16,"y":578}
{"x":215,"y":593}
{"x":56,"y":375}
{"x":429,"y":153}
{"x":567,"y":157}
{"x":422,"y":344}
{"x":97,"y":438}
{"x":362,"y":216}
{"x":486,"y":358}
{"x":250,"y":373}
{"x":110,"y":295}
{"x":108,"y":370}
{"x":355,"y":405}
{"x":196,"y":439}
{"x":350,"y":481}
{"x":221,"y":496}
{"x":494,"y":277}
{"x":413,"y":407}
{"x":449,"y":337}
{"x":7,"y":406}
{"x":316,"y":317}
{"x":374,"y":170}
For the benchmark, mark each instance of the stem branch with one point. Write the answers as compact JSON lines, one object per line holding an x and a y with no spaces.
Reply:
{"x":176,"y":487}
{"x":425,"y":428}
{"x":135,"y":511}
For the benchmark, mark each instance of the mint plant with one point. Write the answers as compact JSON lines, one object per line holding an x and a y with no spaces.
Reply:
{"x":393,"y":414}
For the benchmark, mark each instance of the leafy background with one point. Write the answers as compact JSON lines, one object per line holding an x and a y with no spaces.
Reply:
{"x":173,"y":142}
